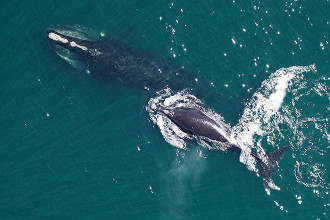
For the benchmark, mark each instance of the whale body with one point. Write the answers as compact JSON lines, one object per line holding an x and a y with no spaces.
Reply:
{"x":83,"y":47}
{"x":194,"y":122}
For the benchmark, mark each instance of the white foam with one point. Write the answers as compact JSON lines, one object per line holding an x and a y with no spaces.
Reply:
{"x":260,"y":110}
{"x":171,"y":133}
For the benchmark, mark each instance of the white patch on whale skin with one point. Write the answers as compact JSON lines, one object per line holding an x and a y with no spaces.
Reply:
{"x":74,"y":44}
{"x":57,"y":37}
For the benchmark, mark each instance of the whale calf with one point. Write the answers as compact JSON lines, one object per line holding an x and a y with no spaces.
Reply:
{"x":194,"y":122}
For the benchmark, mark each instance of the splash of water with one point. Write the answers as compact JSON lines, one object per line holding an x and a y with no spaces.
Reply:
{"x":261,"y":109}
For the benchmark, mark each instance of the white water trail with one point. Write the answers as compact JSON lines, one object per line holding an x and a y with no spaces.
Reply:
{"x":261,"y":109}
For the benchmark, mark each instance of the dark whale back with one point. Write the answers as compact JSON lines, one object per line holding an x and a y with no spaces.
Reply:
{"x":113,"y":58}
{"x":195,"y":122}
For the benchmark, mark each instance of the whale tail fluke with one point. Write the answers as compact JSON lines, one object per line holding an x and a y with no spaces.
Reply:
{"x":267,"y":168}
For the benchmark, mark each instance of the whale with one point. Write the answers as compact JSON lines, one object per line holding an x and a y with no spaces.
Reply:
{"x":194,"y":122}
{"x":86,"y":49}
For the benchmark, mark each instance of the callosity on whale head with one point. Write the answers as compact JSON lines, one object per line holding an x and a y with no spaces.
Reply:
{"x":75,"y":44}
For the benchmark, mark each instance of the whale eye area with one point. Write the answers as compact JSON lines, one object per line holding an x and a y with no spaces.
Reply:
{"x":57,"y":37}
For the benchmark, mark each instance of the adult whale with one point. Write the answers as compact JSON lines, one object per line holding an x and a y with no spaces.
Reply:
{"x":194,"y":122}
{"x":85,"y":48}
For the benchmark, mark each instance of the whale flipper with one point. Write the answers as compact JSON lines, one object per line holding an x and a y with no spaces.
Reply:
{"x":267,"y":169}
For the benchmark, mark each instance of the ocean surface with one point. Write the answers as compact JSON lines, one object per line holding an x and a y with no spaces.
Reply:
{"x":73,"y":146}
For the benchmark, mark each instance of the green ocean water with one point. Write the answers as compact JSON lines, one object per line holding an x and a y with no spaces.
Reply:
{"x":73,"y":146}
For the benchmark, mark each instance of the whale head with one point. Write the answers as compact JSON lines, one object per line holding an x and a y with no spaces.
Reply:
{"x":75,"y":44}
{"x":67,"y":42}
